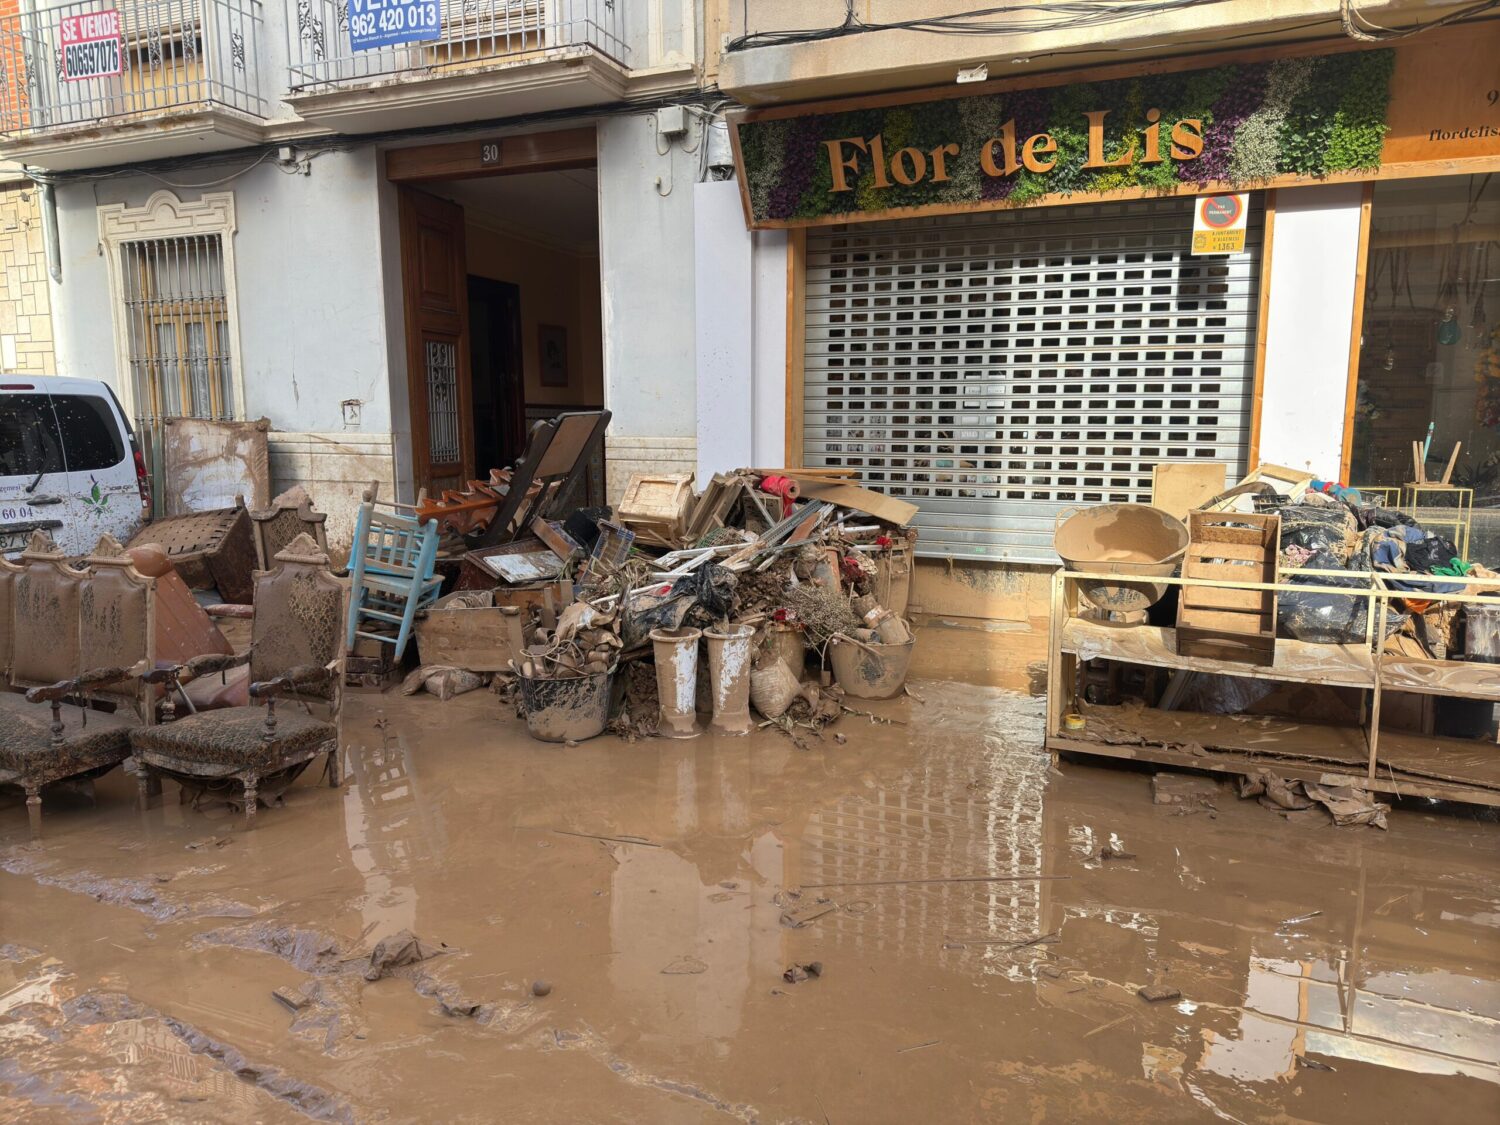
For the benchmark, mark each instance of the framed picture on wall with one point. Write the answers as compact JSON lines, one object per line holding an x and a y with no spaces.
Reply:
{"x":552,"y":354}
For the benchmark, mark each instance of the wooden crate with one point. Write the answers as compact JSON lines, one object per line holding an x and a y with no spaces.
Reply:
{"x":467,"y":630}
{"x":1223,"y":622}
{"x":657,"y":507}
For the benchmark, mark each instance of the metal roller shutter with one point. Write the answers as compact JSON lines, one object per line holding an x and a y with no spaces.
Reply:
{"x":995,"y":368}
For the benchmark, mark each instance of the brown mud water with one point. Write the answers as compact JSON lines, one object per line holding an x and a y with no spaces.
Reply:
{"x":868,"y":670}
{"x":566,"y":708}
{"x":1334,"y":975}
{"x":729,"y":654}
{"x":676,"y":655}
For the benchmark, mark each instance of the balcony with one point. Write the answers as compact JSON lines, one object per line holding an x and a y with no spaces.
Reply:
{"x":159,"y":78}
{"x":487,"y":58}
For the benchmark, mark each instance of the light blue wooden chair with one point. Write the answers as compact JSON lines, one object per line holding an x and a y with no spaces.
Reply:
{"x":391,"y":573}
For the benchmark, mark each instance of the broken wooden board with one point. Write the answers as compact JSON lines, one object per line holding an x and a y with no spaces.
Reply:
{"x":876,"y":504}
{"x":1178,"y":487}
{"x":207,"y":465}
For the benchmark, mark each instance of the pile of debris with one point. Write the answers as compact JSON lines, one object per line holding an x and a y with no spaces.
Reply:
{"x":781,"y":590}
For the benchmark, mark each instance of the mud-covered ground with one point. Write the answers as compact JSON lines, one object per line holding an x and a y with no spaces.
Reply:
{"x":979,"y":961}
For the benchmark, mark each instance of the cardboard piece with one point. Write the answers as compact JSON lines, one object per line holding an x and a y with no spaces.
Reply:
{"x":1178,"y":487}
{"x":882,"y":507}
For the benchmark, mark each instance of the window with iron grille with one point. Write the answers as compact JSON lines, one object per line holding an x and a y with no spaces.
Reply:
{"x":995,"y":368}
{"x":177,"y":323}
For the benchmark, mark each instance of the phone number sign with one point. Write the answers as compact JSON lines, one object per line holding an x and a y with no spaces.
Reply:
{"x":91,"y":46}
{"x":387,"y":23}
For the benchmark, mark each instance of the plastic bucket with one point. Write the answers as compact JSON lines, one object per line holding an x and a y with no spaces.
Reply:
{"x":566,"y":710}
{"x":1130,"y":540}
{"x":870,"y":671}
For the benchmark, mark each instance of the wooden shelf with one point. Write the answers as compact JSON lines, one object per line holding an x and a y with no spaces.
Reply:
{"x":1461,"y":678}
{"x":1365,"y":755}
{"x":1260,"y":737}
{"x":1296,"y":661}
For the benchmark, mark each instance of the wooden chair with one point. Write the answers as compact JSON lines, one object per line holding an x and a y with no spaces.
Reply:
{"x":290,"y":515}
{"x":391,"y":563}
{"x":74,"y":636}
{"x":296,"y":650}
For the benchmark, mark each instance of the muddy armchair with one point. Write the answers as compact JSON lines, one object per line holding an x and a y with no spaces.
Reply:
{"x":296,"y":650}
{"x":59,"y":618}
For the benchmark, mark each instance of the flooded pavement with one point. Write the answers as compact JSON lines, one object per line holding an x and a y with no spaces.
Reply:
{"x":978,"y":960}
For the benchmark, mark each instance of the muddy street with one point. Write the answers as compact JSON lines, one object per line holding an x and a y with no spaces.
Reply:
{"x":611,"y":932}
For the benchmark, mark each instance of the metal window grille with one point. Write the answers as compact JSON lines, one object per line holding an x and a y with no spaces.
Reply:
{"x":442,"y":402}
{"x":176,"y":53}
{"x":471,"y":32}
{"x":996,"y":367}
{"x":177,"y":325}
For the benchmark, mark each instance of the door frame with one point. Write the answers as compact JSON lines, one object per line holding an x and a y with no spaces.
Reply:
{"x":432,"y":323}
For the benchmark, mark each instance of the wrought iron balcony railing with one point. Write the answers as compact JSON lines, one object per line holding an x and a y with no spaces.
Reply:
{"x":78,"y":64}
{"x":470,"y":34}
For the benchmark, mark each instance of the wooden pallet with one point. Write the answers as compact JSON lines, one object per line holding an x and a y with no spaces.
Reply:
{"x":1220,"y":623}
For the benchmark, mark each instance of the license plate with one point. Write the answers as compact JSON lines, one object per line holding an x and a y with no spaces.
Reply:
{"x":16,"y":513}
{"x":11,"y":541}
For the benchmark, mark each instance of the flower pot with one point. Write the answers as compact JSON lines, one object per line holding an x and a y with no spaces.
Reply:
{"x":729,"y":678}
{"x":676,"y":653}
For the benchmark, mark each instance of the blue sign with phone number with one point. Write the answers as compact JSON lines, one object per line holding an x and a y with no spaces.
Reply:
{"x":387,"y":23}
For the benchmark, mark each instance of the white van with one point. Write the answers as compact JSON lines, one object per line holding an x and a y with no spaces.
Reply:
{"x":69,"y":464}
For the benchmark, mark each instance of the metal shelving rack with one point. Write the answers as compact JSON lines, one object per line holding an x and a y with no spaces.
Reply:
{"x":1361,"y":754}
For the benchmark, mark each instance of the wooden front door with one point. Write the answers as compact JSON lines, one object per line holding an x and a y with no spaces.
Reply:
{"x":434,"y":275}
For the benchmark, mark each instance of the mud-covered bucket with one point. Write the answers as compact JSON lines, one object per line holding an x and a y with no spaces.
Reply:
{"x":1129,"y":540}
{"x":566,"y":710}
{"x":870,"y":671}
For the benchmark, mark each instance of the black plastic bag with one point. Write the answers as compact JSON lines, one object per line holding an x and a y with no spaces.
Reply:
{"x":1430,"y":553}
{"x":1325,"y":619}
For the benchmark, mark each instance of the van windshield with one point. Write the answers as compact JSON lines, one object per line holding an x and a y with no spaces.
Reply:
{"x":90,"y":437}
{"x":29,"y":439}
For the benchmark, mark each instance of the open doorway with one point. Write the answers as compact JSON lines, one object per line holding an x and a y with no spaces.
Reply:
{"x":518,"y":250}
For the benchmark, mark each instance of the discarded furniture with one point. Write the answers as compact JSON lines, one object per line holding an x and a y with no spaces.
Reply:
{"x":73,"y":636}
{"x":295,"y":652}
{"x":657,"y":507}
{"x":1178,"y":487}
{"x":1226,"y":621}
{"x":391,"y":573}
{"x":468,"y":630}
{"x":548,"y":473}
{"x":1366,"y":753}
{"x":289,"y":515}
{"x":209,"y":465}
{"x":209,"y":549}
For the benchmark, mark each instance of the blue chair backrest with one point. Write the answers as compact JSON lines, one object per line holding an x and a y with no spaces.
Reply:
{"x":390,"y":543}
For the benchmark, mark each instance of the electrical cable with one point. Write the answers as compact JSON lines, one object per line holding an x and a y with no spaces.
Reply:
{"x":1071,"y":15}
{"x":1368,"y":33}
{"x":311,"y":148}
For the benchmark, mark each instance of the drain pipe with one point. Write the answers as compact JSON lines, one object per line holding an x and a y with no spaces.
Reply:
{"x":49,"y":232}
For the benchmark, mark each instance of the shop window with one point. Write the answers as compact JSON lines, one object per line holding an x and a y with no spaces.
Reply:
{"x":1429,"y":360}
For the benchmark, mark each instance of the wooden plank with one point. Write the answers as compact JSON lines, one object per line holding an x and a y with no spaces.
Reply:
{"x":1262,"y":320}
{"x":1226,"y":620}
{"x":1225,"y":549}
{"x":1356,"y":331}
{"x":1177,"y":487}
{"x":876,"y":504}
{"x":1457,"y":678}
{"x":796,"y":343}
{"x":1242,"y":571}
{"x":552,"y":151}
{"x":1217,"y":597}
{"x":1155,"y":646}
{"x":1233,"y":763}
{"x":478,"y":639}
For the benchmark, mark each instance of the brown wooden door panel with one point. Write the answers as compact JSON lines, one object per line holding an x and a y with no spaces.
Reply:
{"x":435,"y":282}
